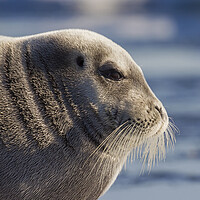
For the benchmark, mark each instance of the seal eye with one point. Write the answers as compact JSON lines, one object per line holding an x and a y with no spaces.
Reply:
{"x":112,"y":74}
{"x":80,"y":61}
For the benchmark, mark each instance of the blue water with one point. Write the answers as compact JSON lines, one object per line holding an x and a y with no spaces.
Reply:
{"x":167,"y":48}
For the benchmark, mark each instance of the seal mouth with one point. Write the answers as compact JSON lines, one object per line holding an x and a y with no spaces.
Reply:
{"x":153,"y":124}
{"x":146,"y":127}
{"x":131,"y":139}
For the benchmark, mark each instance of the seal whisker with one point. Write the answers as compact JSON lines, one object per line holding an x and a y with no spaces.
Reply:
{"x":113,"y":144}
{"x":100,"y":159}
{"x":121,"y":140}
{"x":171,"y":130}
{"x":130,"y":140}
{"x":154,"y":147}
{"x":110,"y":147}
{"x":113,"y":134}
{"x":132,"y":143}
{"x":118,"y":141}
{"x":136,"y":145}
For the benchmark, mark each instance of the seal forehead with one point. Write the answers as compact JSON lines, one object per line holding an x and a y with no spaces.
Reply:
{"x":92,"y":45}
{"x":91,"y":40}
{"x":104,"y":48}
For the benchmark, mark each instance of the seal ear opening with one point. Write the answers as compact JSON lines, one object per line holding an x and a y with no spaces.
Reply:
{"x":80,"y":61}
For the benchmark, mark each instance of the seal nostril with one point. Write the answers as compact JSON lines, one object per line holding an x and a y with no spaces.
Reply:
{"x":159,"y":110}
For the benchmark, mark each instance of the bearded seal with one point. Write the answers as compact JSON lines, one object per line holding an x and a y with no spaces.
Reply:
{"x":73,"y":106}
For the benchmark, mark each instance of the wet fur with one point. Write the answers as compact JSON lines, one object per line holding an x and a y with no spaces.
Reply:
{"x":62,"y":135}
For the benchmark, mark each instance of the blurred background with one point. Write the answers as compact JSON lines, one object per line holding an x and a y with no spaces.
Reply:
{"x":163,"y":37}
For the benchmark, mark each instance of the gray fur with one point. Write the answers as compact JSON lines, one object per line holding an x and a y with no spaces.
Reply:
{"x":54,"y":114}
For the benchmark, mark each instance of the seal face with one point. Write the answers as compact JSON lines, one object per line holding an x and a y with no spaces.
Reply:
{"x":73,"y":105}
